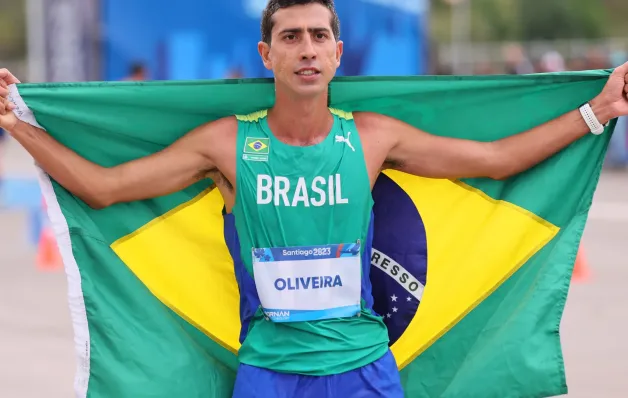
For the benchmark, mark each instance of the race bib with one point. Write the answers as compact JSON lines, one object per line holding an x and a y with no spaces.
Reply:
{"x":297,"y":284}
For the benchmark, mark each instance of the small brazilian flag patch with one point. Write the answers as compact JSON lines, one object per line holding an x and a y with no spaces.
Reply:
{"x":256,"y":149}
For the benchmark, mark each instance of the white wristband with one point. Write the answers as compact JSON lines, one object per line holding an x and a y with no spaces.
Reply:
{"x":592,"y":121}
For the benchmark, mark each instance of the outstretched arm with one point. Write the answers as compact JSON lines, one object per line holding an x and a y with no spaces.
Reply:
{"x":186,"y":161}
{"x":172,"y":169}
{"x":416,"y":152}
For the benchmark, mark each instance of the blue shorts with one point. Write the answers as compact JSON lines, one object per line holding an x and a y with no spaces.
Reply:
{"x":379,"y":379}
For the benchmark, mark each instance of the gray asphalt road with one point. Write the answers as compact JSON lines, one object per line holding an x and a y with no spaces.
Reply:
{"x":37,"y":355}
{"x":595,"y":324}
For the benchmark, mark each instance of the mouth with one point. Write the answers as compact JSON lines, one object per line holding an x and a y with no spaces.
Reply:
{"x":308,"y":72}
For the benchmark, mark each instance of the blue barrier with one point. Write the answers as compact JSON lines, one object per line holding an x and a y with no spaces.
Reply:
{"x":384,"y":37}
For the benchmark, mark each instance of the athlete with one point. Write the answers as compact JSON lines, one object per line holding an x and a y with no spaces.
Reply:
{"x":296,"y":180}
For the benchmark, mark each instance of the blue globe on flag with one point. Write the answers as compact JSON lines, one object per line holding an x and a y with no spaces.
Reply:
{"x":399,"y":256}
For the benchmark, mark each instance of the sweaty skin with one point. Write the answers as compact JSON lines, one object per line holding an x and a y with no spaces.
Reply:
{"x":304,"y":56}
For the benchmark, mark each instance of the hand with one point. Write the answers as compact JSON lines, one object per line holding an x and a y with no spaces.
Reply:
{"x":8,"y":120}
{"x":613,"y":100}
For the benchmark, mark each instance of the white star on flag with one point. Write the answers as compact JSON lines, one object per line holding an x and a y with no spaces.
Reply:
{"x":394,"y":309}
{"x":409,"y":298}
{"x":388,"y":315}
{"x":393,"y":297}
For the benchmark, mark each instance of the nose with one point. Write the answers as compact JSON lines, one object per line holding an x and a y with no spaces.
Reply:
{"x":307,"y":49}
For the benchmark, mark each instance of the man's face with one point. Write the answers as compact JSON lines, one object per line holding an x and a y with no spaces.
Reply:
{"x":303,"y":54}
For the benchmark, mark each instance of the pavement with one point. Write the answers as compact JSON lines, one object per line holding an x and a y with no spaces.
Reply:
{"x":37,"y":353}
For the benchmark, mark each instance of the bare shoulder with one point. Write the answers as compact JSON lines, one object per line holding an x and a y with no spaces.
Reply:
{"x":220,"y":145}
{"x":214,"y":137}
{"x":223,"y":127}
{"x":228,"y":123}
{"x":377,"y":123}
{"x":376,"y":142}
{"x":389,"y":142}
{"x":370,"y":121}
{"x":376,"y":128}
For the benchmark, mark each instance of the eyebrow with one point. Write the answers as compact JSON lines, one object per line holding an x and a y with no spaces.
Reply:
{"x":300,"y":30}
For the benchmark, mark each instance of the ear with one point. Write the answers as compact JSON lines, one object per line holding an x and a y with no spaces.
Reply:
{"x":264,"y":52}
{"x":339,"y":49}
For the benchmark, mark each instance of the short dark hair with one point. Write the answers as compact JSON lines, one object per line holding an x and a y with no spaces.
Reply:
{"x":275,"y":5}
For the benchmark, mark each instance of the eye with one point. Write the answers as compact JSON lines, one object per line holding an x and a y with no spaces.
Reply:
{"x":321,"y":36}
{"x":290,"y":37}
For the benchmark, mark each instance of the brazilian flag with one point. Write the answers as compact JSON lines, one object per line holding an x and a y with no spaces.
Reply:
{"x":471,"y":276}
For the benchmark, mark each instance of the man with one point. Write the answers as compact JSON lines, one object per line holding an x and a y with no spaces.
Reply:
{"x":137,"y":72}
{"x":296,"y":180}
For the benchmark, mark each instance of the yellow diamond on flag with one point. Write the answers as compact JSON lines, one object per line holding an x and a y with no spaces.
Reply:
{"x":475,"y":244}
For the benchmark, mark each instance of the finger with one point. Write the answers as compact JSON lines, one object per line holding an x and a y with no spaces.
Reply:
{"x":4,"y":92}
{"x":7,"y":107}
{"x":8,"y":76}
{"x":621,"y":70}
{"x":3,"y":84}
{"x":6,"y":102}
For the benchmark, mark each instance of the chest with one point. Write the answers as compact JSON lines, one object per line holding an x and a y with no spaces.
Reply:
{"x":304,"y":192}
{"x":295,"y":196}
{"x":323,"y":178}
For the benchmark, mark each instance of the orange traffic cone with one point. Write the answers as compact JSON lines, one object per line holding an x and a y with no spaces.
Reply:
{"x":48,"y":256}
{"x":581,"y":272}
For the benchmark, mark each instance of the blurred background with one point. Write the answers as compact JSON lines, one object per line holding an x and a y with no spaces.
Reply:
{"x":86,"y":40}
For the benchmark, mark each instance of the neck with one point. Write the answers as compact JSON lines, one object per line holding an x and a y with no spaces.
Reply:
{"x":300,"y":121}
